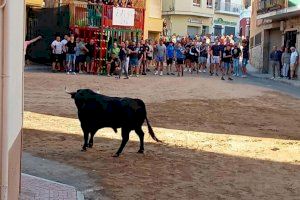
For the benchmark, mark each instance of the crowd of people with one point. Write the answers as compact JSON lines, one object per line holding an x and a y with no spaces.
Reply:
{"x":284,"y":62}
{"x":220,"y":56}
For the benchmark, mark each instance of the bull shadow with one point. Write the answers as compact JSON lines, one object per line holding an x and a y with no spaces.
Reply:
{"x":167,"y":172}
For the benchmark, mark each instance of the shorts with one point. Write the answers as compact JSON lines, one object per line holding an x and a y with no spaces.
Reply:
{"x":226,"y":65}
{"x":89,"y":59}
{"x":80,"y":59}
{"x":58,"y":58}
{"x":71,"y":58}
{"x":245,"y":62}
{"x":194,"y":59}
{"x":170,"y":61}
{"x":149,"y":58}
{"x":159,"y":59}
{"x":215,"y":60}
{"x":202,"y":60}
{"x":293,"y":67}
{"x":133,"y":62}
{"x":179,"y":61}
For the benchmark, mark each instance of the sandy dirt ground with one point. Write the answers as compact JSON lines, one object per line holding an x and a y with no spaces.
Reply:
{"x":221,"y":140}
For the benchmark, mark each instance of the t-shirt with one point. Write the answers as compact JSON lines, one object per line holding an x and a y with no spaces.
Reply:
{"x":64,"y":42}
{"x":179,"y":52}
{"x":79,"y":49}
{"x":58,"y":47}
{"x":236,"y":52}
{"x":133,"y":55}
{"x":161,"y":50}
{"x":216,"y":50}
{"x":149,"y":50}
{"x":170,"y":51}
{"x":71,"y":47}
{"x":91,"y":49}
{"x":246,"y":52}
{"x":294,"y":57}
{"x":286,"y":58}
{"x":203,"y":51}
{"x":142,"y":50}
{"x":123,"y":54}
{"x":194,"y":52}
{"x":226,"y":53}
{"x":115,"y":51}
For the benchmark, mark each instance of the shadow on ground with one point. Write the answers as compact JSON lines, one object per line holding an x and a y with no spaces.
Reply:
{"x":166,"y":172}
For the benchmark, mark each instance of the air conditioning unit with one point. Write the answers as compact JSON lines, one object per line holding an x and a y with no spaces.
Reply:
{"x":282,"y":25}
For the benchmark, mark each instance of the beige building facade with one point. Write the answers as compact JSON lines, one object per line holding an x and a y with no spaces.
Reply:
{"x":12,"y":20}
{"x":188,"y":17}
{"x":273,"y":24}
{"x":153,"y":19}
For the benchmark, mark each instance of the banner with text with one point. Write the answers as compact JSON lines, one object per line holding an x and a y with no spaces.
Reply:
{"x":123,"y":16}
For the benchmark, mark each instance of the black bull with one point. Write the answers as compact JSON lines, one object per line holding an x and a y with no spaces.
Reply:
{"x":96,"y":111}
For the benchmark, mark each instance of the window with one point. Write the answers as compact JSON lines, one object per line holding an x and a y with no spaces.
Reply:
{"x":196,"y":3}
{"x":257,"y":39}
{"x":209,"y":3}
{"x":205,"y":30}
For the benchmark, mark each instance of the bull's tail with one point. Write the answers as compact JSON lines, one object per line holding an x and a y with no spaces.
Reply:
{"x":151,"y":132}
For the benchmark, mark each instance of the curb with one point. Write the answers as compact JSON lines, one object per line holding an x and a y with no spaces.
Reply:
{"x":79,"y":195}
{"x":277,"y":80}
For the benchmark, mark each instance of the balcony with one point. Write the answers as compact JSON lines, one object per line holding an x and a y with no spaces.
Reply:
{"x":266,"y":6}
{"x":227,"y":8}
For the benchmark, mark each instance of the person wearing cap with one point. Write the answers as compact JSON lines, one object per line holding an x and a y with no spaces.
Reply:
{"x":293,"y":62}
{"x":170,"y":57}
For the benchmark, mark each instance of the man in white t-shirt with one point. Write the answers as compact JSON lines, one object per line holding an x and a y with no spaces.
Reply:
{"x":57,"y":54}
{"x":64,"y":42}
{"x":294,"y":62}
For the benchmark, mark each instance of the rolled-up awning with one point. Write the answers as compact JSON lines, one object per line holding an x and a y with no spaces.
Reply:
{"x":35,"y":3}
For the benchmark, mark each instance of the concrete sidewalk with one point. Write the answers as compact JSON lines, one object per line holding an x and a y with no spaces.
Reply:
{"x":35,"y":188}
{"x":256,"y":73}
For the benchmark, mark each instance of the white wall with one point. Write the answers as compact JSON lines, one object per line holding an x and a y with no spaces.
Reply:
{"x":14,"y":61}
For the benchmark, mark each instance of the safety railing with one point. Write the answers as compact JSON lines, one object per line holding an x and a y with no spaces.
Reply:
{"x":222,"y":6}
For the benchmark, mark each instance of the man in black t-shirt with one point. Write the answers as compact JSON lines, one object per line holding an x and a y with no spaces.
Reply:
{"x":245,"y":59}
{"x":226,"y":69}
{"x":236,"y":53}
{"x":90,"y":56}
{"x":216,"y":56}
{"x":142,"y":57}
{"x":71,"y":56}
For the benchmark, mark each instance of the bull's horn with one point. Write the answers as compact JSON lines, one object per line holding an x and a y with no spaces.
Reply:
{"x":68,"y":92}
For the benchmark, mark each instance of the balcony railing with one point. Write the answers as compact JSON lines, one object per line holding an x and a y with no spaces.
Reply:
{"x":265,"y":6}
{"x":222,"y":6}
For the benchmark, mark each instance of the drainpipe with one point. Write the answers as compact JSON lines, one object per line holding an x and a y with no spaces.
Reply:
{"x":3,"y":132}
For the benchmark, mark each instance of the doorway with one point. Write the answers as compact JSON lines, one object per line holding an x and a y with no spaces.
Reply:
{"x":290,"y":39}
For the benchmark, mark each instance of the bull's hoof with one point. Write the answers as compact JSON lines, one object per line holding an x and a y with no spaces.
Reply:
{"x":116,"y":155}
{"x":90,"y":145}
{"x":141,"y":151}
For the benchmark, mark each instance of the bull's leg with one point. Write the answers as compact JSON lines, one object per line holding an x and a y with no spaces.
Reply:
{"x":125,"y":138}
{"x":86,"y":138}
{"x":91,"y":142}
{"x":140,"y":133}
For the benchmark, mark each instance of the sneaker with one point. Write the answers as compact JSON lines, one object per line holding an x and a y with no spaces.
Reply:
{"x":217,"y":74}
{"x":74,"y":73}
{"x":68,"y":73}
{"x":156,"y":73}
{"x":80,"y":72}
{"x":130,"y":75}
{"x":161,"y":73}
{"x":126,"y":77}
{"x":223,"y":79}
{"x":185,"y":70}
{"x":211,"y":74}
{"x":172,"y":74}
{"x":168,"y":73}
{"x":144,"y":74}
{"x":190,"y":70}
{"x":237,"y":75}
{"x":200,"y":71}
{"x":234,"y":75}
{"x":230,"y":79}
{"x":108,"y":75}
{"x":137,"y":75}
{"x":204,"y":71}
{"x":273,"y":78}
